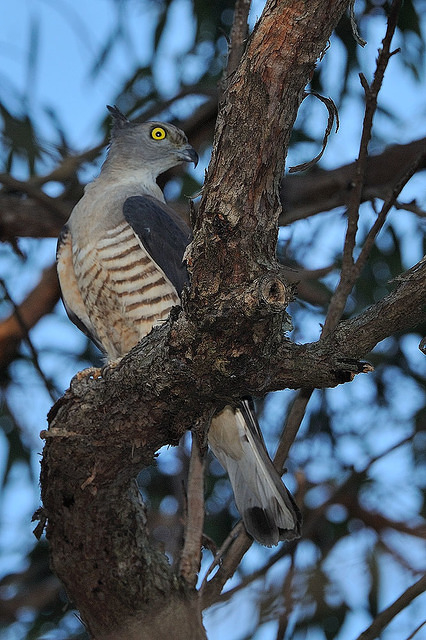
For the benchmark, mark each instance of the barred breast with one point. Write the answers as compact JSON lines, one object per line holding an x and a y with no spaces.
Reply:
{"x":123,"y":289}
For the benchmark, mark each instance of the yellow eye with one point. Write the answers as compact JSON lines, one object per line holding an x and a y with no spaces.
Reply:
{"x":158,"y":133}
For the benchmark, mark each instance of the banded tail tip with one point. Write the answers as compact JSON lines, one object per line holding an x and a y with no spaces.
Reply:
{"x":262,"y":526}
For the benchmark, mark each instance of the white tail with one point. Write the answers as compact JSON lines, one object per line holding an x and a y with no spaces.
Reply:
{"x":266,"y":506}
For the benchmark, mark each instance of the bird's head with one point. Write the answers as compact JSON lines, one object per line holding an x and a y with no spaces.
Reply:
{"x":155,"y":144}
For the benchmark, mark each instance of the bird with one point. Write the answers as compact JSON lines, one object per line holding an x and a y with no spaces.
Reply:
{"x":121,"y":269}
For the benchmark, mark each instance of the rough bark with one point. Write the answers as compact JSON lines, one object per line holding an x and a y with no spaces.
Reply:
{"x":237,"y":220}
{"x":228,"y":341}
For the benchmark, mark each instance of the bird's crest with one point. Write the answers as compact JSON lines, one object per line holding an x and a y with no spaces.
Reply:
{"x":119,"y":119}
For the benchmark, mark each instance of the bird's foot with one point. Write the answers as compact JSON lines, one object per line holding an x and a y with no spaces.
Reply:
{"x":90,"y":372}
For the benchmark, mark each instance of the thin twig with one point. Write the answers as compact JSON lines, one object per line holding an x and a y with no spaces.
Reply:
{"x":239,"y":528}
{"x":416,"y":630}
{"x":39,"y":302}
{"x":51,"y":389}
{"x":348,"y":274}
{"x":395,"y":555}
{"x":292,"y":425}
{"x":354,"y":26}
{"x":191,"y":553}
{"x":411,"y":206}
{"x":286,"y":550}
{"x":344,"y":494}
{"x":381,"y":218}
{"x":383,"y":619}
{"x":389,"y":450}
{"x":288,"y":601}
{"x":238,"y":38}
{"x":239,"y":542}
{"x":306,"y":195}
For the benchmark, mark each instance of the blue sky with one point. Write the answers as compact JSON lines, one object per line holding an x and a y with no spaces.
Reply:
{"x":69,"y":34}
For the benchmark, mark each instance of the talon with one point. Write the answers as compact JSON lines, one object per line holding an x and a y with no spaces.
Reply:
{"x":91,"y":372}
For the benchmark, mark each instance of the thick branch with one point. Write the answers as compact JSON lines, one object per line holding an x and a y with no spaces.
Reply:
{"x":403,"y":309}
{"x":307,"y":194}
{"x":28,"y":218}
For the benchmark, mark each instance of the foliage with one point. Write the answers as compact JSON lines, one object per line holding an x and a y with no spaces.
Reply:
{"x":355,"y":466}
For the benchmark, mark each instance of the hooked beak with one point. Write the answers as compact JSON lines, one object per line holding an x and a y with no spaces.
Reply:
{"x":189,"y":155}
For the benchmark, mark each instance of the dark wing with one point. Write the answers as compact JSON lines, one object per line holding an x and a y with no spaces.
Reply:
{"x":71,"y":296}
{"x":163,"y":234}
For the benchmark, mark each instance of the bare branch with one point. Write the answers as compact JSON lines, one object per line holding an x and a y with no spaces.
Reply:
{"x":191,"y":553}
{"x":292,"y":425}
{"x":39,"y":302}
{"x":40,"y":594}
{"x":289,"y":602}
{"x":387,"y":205}
{"x":68,"y":167}
{"x":284,"y":550}
{"x":416,"y":630}
{"x":240,"y":544}
{"x":411,"y":206}
{"x":218,"y":557}
{"x":52,"y":204}
{"x":383,"y":619}
{"x":25,"y":217}
{"x":400,"y":310}
{"x":305,"y":195}
{"x":239,"y":33}
{"x":346,"y":494}
{"x":23,"y":331}
{"x":349,"y":274}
